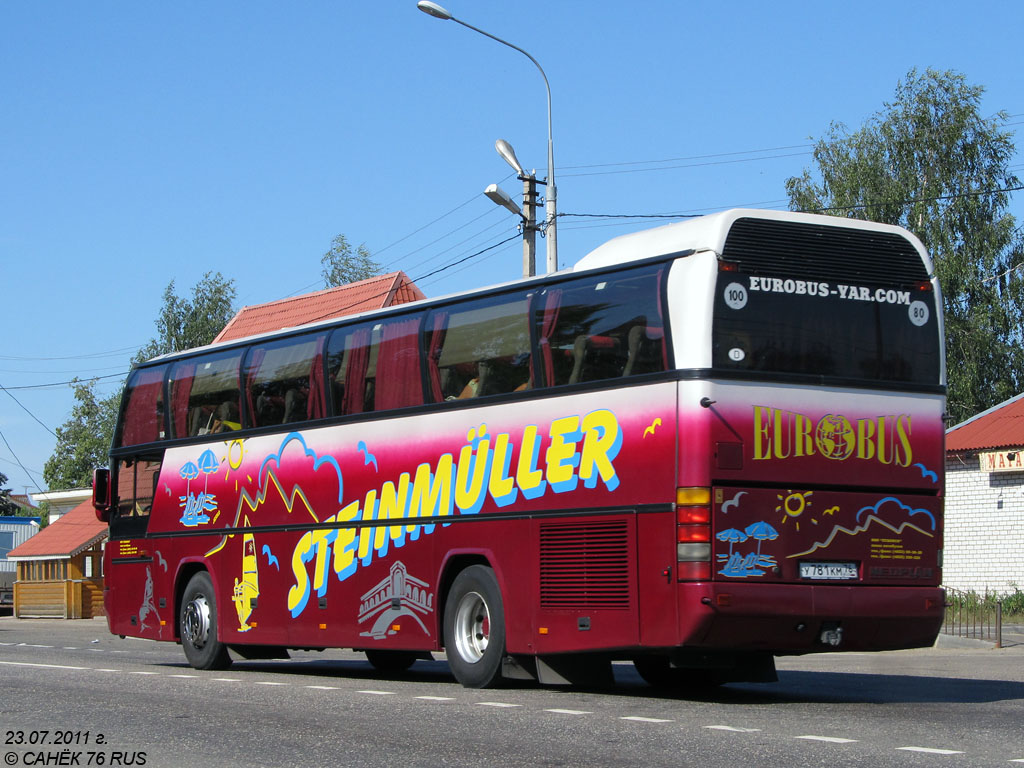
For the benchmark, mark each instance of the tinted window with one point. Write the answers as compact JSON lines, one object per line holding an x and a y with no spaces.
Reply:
{"x":284,"y":381}
{"x":142,"y":420}
{"x":479,"y":348}
{"x":600,"y":327}
{"x":137,"y":480}
{"x":376,"y":366}
{"x":824,"y":328}
{"x":204,"y":395}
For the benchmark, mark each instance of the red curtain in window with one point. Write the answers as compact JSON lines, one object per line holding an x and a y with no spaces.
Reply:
{"x":355,"y":374}
{"x":142,"y":415}
{"x":552,"y":304}
{"x":316,"y":404}
{"x":439,"y":326}
{"x":253,"y":365}
{"x":399,"y":381}
{"x":181,"y":389}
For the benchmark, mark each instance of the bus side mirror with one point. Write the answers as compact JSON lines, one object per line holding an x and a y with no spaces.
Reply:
{"x":101,"y":493}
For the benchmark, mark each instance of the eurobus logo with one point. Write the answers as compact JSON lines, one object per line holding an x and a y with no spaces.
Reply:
{"x":781,"y":434}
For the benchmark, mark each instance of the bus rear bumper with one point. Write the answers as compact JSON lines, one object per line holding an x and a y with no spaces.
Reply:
{"x":802,"y":618}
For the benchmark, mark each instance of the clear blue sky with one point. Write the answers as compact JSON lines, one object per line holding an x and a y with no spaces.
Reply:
{"x":142,"y":143}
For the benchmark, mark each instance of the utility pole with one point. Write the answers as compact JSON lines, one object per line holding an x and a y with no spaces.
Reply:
{"x":529,"y":224}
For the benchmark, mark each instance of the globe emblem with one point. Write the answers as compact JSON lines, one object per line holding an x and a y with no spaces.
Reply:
{"x":834,"y":437}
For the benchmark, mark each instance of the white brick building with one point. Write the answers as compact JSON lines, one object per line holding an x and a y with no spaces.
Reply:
{"x":984,"y":532}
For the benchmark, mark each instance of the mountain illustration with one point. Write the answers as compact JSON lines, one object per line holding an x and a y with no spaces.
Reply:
{"x":869,"y":522}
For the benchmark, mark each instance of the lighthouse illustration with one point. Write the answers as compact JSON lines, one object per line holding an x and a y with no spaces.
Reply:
{"x":248,"y":588}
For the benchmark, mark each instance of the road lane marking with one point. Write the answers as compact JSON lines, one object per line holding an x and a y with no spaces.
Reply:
{"x":931,"y":751}
{"x":732,"y":728}
{"x":42,"y":666}
{"x":436,"y":698}
{"x":269,"y":682}
{"x":829,"y":739}
{"x":323,"y":687}
{"x":143,"y":673}
{"x":188,"y":677}
{"x":226,"y":679}
{"x":378,"y":693}
{"x":497,"y":704}
{"x":638,"y":719}
{"x":569,"y":711}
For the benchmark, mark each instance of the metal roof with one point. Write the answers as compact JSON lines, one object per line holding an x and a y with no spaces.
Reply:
{"x":1001,"y":426}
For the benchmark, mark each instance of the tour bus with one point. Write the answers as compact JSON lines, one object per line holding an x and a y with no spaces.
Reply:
{"x":705,"y":445}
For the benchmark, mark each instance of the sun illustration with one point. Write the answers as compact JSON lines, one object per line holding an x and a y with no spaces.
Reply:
{"x":793,"y":504}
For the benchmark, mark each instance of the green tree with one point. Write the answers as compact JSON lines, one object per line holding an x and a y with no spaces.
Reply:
{"x":83,"y":441}
{"x":929,"y":161}
{"x":183,"y":323}
{"x":7,"y":505}
{"x":342,"y":265}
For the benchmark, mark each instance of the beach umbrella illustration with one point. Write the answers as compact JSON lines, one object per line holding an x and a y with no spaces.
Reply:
{"x":188,"y":472}
{"x":762,"y":532}
{"x":208,"y":464}
{"x":733,"y":536}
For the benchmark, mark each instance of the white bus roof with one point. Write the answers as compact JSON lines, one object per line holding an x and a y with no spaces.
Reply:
{"x":708,"y":233}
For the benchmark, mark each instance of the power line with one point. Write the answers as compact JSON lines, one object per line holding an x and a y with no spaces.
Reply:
{"x":54,"y":384}
{"x":23,"y":468}
{"x":26,"y":410}
{"x":686,"y":165}
{"x":89,"y":356}
{"x":692,"y":157}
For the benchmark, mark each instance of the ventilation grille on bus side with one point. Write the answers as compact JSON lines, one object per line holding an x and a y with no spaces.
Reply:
{"x":585,"y":565}
{"x":818,"y":252}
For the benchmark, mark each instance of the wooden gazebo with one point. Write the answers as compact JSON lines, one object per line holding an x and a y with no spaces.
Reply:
{"x":60,"y":568}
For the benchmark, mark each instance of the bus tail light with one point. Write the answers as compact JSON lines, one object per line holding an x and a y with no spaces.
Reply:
{"x":693,"y":534}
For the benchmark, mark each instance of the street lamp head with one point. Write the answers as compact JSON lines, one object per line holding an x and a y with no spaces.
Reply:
{"x":497,"y":195}
{"x":509,"y":155}
{"x":434,"y":10}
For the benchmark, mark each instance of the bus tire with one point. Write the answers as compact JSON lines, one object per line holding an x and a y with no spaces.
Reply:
{"x":391,"y":662}
{"x":198,"y":622}
{"x":474,"y":628}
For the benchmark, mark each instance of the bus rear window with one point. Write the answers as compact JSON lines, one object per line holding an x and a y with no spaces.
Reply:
{"x":825,"y":329}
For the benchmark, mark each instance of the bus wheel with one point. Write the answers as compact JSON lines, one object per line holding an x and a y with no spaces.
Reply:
{"x":474,"y":628}
{"x":391,"y":662}
{"x":658,"y":673}
{"x":199,"y":625}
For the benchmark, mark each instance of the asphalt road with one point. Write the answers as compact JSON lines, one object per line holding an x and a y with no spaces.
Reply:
{"x":96,"y":699}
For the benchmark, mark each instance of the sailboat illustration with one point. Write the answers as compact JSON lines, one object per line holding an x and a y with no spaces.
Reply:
{"x":248,"y":588}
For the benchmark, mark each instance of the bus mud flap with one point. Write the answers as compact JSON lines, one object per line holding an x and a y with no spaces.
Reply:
{"x":519,"y":668}
{"x":584,"y":671}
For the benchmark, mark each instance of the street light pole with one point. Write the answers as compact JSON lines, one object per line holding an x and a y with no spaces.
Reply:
{"x":435,"y":10}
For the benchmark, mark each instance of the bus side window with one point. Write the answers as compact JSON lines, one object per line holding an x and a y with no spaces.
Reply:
{"x":482,"y":349}
{"x":599,"y":328}
{"x":142,"y":418}
{"x":138,"y":480}
{"x":204,"y":394}
{"x":284,"y":381}
{"x":375,"y":366}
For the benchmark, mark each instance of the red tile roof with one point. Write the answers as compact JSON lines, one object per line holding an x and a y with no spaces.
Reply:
{"x":77,"y":530}
{"x":998,"y":427}
{"x":362,"y":296}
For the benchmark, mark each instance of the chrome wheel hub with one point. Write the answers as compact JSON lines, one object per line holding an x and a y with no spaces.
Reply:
{"x":472,"y":627}
{"x":195,"y":623}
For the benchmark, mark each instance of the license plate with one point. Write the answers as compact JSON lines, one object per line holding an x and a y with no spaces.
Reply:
{"x":828,"y":571}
